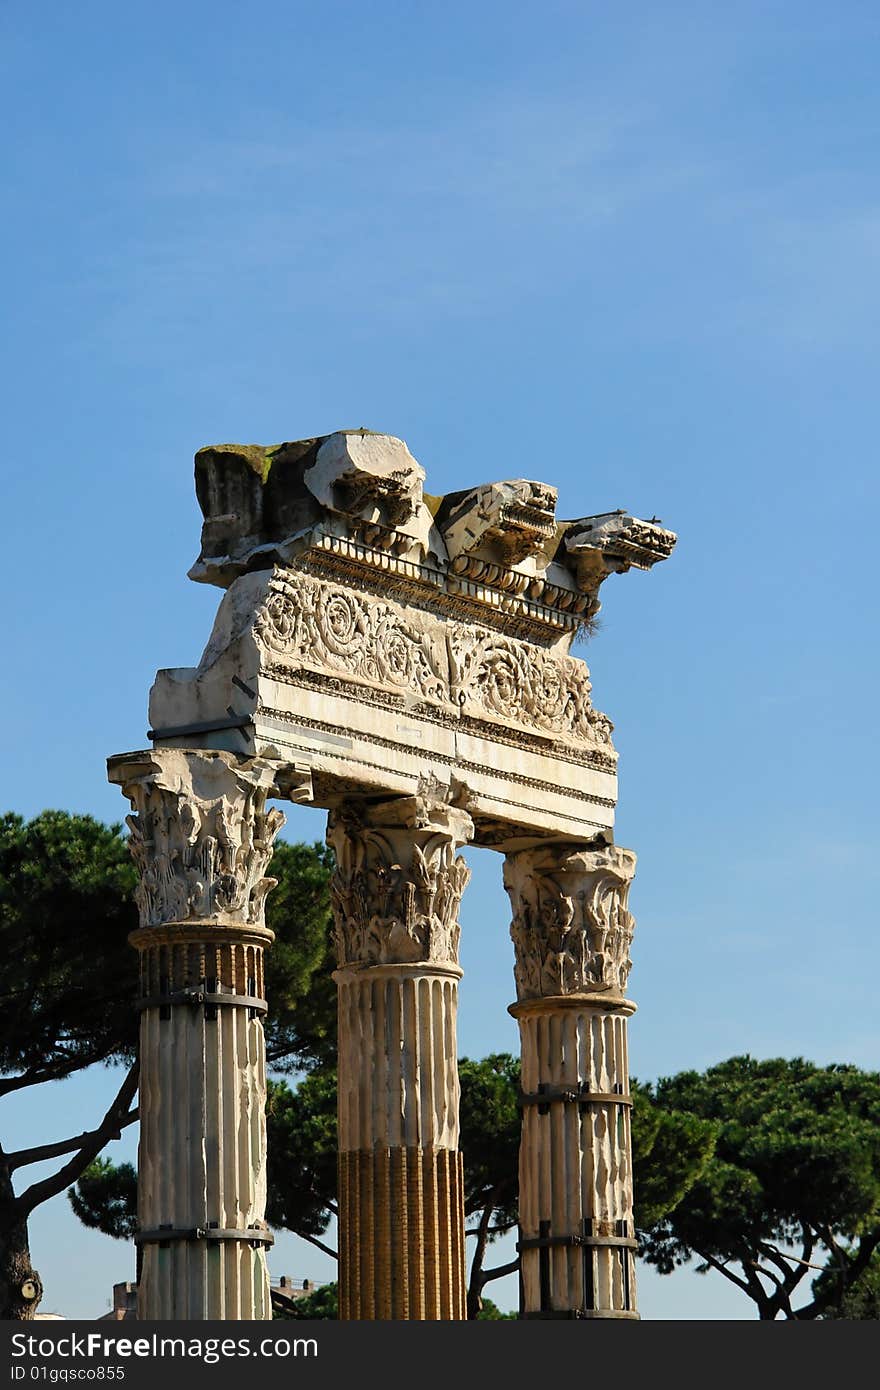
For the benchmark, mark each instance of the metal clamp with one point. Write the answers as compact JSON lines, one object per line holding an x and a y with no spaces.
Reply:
{"x":162,"y":1235}
{"x":572,"y":1095}
{"x":554,"y":1314}
{"x":197,"y":994}
{"x":578,"y":1241}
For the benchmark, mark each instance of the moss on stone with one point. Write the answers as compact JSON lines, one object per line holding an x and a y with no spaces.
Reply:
{"x":259,"y":458}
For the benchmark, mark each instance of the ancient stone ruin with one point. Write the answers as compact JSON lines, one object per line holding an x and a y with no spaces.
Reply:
{"x":401,"y":661}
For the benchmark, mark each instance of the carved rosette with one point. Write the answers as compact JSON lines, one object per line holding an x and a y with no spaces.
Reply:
{"x":571,"y":929}
{"x":398,"y":882}
{"x":201,"y":835}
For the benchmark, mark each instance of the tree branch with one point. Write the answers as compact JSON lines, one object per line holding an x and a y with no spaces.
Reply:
{"x":728,"y":1274}
{"x":23,"y":1158}
{"x":850,"y":1267}
{"x":767,"y":1273}
{"x":751,"y":1285}
{"x":780,"y":1300}
{"x":49,"y":1187}
{"x":62,"y":1067}
{"x":475,"y":1284}
{"x":31,"y":1077}
{"x":499,"y":1271}
{"x":777,"y":1256}
{"x":313,"y":1240}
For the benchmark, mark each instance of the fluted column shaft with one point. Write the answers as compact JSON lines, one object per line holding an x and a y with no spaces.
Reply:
{"x":396,"y":893}
{"x":572,"y":932}
{"x":202,"y":839}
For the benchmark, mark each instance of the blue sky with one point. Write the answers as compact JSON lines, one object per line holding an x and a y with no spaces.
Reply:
{"x":629,"y":250}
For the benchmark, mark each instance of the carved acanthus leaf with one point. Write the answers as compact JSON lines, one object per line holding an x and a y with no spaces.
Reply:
{"x":201,"y":836}
{"x":396,"y":890}
{"x":571,"y":929}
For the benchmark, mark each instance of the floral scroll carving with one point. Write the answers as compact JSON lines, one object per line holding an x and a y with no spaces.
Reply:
{"x":461,"y":667}
{"x":341,"y":631}
{"x":571,"y":929}
{"x":396,"y":889}
{"x":201,"y":837}
{"x":517,"y":681}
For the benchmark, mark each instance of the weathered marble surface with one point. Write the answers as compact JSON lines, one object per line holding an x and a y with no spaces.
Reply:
{"x":396,"y":894}
{"x":201,"y":835}
{"x":572,"y":931}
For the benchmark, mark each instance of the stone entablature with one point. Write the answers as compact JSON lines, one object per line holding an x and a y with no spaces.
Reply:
{"x":372,"y":634}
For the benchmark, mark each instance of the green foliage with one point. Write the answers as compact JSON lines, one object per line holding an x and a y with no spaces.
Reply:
{"x":490,"y":1312}
{"x":66,"y":910}
{"x":858,"y":1301}
{"x":301,"y":1024}
{"x":671,"y":1150}
{"x":323,"y":1304}
{"x":490,"y":1129}
{"x":301,"y":1166}
{"x":797,"y":1166}
{"x":105,"y":1198}
{"x":70,"y":980}
{"x":301,"y":1169}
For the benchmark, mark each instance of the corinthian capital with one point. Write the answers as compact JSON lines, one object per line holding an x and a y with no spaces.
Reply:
{"x":571,"y":927}
{"x":201,"y":835}
{"x":398,"y":881}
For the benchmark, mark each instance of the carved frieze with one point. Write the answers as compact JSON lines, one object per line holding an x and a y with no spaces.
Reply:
{"x":340,"y":630}
{"x":517,"y":681}
{"x":460,"y":666}
{"x":201,"y":835}
{"x":397,"y":887}
{"x":571,"y":928}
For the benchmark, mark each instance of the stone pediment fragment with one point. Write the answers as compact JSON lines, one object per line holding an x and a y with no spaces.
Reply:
{"x":371,"y":476}
{"x":357,"y":495}
{"x":612,"y":543}
{"x":507,"y":521}
{"x":262,"y":503}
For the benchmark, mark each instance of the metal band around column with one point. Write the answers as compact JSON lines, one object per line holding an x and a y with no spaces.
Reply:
{"x":570,"y":1095}
{"x":545,"y":1242}
{"x":163,"y":1235}
{"x":200,"y":994}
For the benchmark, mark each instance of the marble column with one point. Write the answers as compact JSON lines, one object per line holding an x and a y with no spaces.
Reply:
{"x":201,"y":837}
{"x":396,"y":893}
{"x":572,"y":932}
